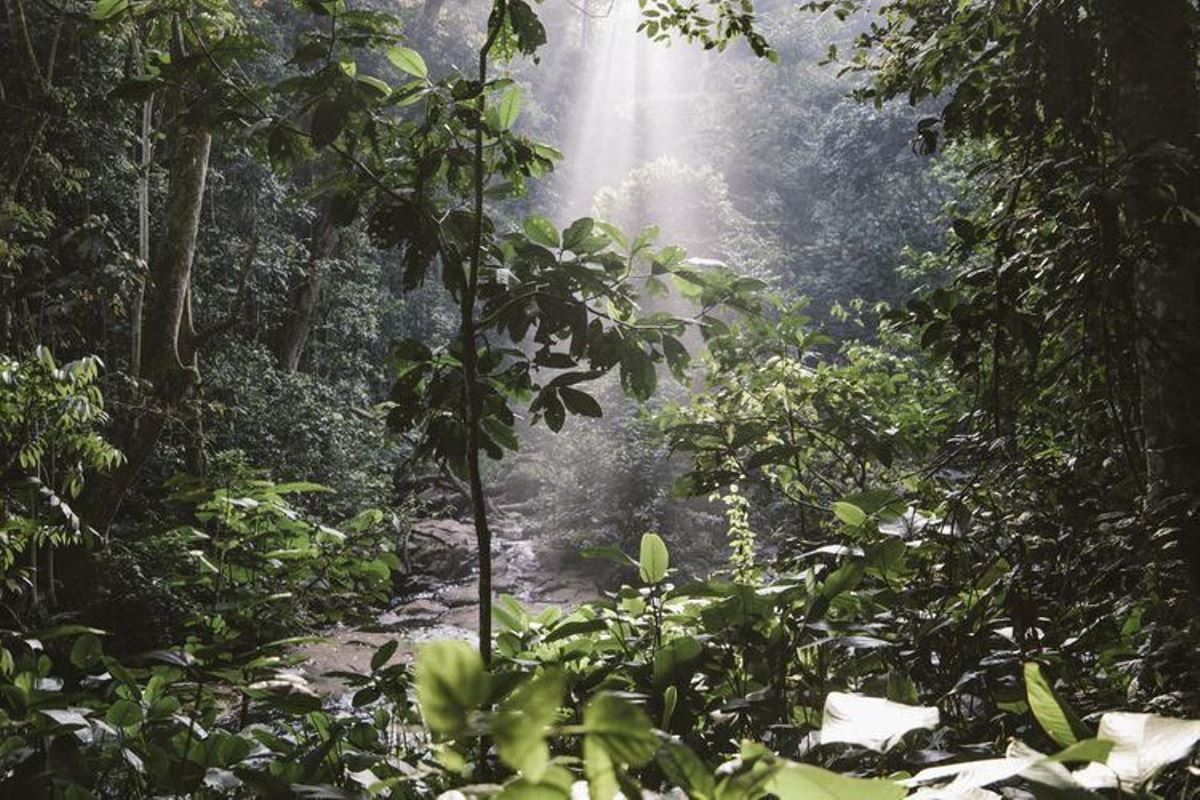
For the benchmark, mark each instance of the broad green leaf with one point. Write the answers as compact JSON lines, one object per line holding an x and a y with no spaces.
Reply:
{"x":1056,"y":718}
{"x":87,"y":649}
{"x":383,"y":654}
{"x":451,"y":683}
{"x":107,"y":9}
{"x":609,"y":553}
{"x":581,"y":403}
{"x":522,"y":723}
{"x":509,"y":107}
{"x":123,"y":714}
{"x":685,"y":769}
{"x":328,"y":119}
{"x":408,"y":60}
{"x":673,"y":656}
{"x":850,"y":514}
{"x":621,"y":729}
{"x":871,"y":722}
{"x":378,"y":86}
{"x":653,"y":559}
{"x":843,"y":579}
{"x":1084,"y":750}
{"x":599,"y":770}
{"x":541,"y":230}
{"x":554,"y":785}
{"x":577,"y":233}
{"x":807,"y":782}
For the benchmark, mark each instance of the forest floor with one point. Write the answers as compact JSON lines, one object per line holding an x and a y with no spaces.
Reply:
{"x":533,"y":570}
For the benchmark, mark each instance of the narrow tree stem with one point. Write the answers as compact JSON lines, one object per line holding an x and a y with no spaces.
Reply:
{"x":470,"y":361}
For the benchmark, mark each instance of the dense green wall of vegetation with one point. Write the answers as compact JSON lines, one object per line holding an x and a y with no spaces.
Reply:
{"x":871,"y":393}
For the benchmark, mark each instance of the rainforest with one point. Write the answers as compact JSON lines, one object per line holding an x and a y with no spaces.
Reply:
{"x":594,"y":399}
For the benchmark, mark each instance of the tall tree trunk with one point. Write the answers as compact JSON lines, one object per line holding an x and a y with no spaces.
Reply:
{"x":306,"y":296}
{"x":168,"y":359}
{"x":1152,"y":51}
{"x":427,"y":22}
{"x":146,"y":159}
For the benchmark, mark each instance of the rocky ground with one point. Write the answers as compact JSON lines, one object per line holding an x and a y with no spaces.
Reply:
{"x":440,"y":599}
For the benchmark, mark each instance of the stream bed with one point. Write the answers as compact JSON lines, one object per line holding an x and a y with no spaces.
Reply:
{"x":445,"y":607}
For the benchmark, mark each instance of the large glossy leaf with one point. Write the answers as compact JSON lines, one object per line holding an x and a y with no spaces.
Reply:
{"x":1052,"y":713}
{"x":871,"y":721}
{"x":1142,"y":745}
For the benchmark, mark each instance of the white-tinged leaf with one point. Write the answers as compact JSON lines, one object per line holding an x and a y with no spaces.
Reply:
{"x":969,"y":777}
{"x":972,"y":774}
{"x":1142,"y":745}
{"x":949,"y":793}
{"x":871,"y":721}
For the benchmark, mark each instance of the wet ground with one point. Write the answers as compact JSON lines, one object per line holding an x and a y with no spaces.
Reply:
{"x":537,"y":574}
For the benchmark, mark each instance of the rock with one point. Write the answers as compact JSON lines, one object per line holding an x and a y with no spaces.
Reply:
{"x":459,"y":596}
{"x":442,"y":549}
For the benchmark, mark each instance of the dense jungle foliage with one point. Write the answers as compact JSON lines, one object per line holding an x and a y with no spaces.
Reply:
{"x":849,"y":362}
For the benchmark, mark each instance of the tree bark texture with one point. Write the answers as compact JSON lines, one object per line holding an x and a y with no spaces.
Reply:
{"x":306,"y":296}
{"x":1151,"y":46}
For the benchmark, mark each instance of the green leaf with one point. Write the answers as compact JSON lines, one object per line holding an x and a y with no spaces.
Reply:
{"x":1056,"y":718}
{"x":1084,"y":750}
{"x":451,"y":683}
{"x":581,"y":403}
{"x":107,"y":9}
{"x":383,"y":654}
{"x":685,"y":769}
{"x":621,"y":729}
{"x":528,"y":29}
{"x":522,"y":722}
{"x":123,"y":714}
{"x":86,"y":650}
{"x":806,"y":782}
{"x":850,"y":514}
{"x":653,"y":559}
{"x":375,"y":84}
{"x":843,"y":579}
{"x":609,"y":553}
{"x":408,"y":60}
{"x":509,"y":107}
{"x":578,"y":233}
{"x":554,"y":412}
{"x":329,"y":117}
{"x":554,"y":785}
{"x":600,"y":771}
{"x":673,"y":660}
{"x":541,"y":230}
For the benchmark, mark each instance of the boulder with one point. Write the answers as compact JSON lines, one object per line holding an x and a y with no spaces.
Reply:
{"x":441,"y":549}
